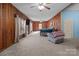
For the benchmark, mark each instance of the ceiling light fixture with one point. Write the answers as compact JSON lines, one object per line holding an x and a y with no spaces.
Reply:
{"x":41,"y":7}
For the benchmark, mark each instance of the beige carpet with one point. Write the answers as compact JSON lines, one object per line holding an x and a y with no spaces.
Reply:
{"x":35,"y":45}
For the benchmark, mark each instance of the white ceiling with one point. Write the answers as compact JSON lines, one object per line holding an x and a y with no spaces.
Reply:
{"x":35,"y":14}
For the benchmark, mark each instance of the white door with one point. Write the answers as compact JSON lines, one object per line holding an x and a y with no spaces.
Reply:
{"x":68,"y":28}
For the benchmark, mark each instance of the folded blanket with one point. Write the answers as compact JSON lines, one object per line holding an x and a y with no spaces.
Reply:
{"x":46,"y":30}
{"x":57,"y":34}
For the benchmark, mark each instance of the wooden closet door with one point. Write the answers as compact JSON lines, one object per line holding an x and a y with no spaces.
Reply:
{"x":9,"y":24}
{"x":1,"y":26}
{"x":4,"y":32}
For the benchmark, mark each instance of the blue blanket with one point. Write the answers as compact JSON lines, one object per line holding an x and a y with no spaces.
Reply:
{"x":46,"y":30}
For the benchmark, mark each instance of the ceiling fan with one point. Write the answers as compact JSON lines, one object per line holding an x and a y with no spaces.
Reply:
{"x":42,"y":6}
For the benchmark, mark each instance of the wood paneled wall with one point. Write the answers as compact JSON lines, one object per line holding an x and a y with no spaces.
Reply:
{"x":46,"y":24}
{"x":57,"y":21}
{"x":1,"y":26}
{"x":35,"y":26}
{"x":7,"y":24}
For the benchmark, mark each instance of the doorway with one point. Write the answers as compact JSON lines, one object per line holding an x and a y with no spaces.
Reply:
{"x":68,"y":28}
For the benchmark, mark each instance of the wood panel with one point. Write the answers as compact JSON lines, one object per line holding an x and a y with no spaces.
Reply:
{"x":0,"y":26}
{"x":35,"y":26}
{"x":57,"y":21}
{"x":8,"y":25}
{"x":46,"y":24}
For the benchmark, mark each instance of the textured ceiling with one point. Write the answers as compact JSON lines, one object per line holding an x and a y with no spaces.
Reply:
{"x":35,"y":14}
